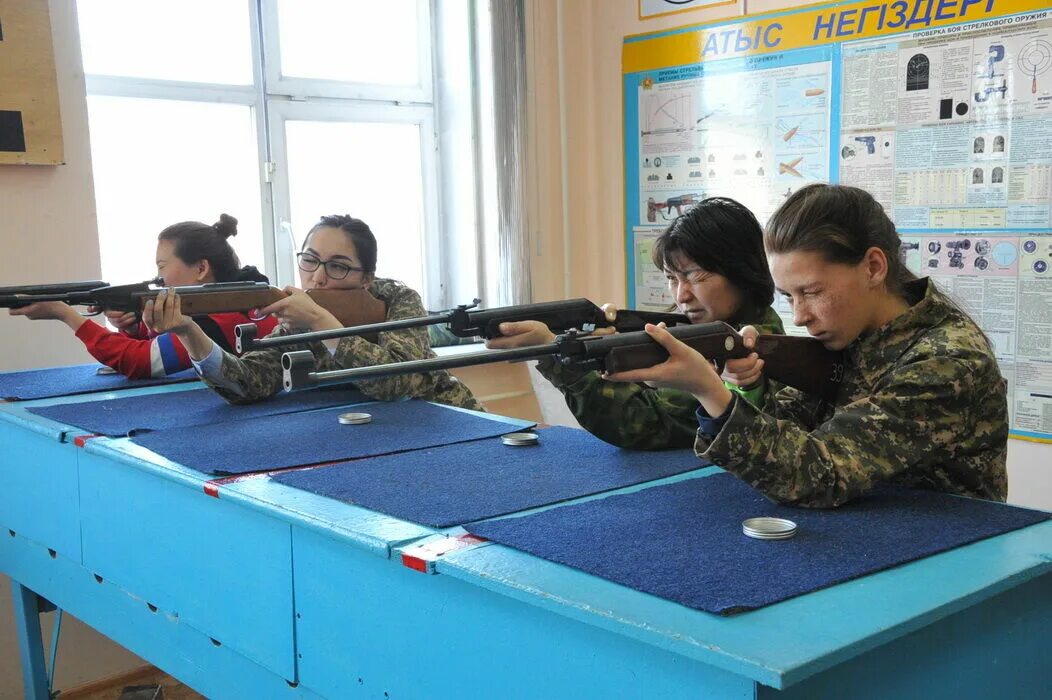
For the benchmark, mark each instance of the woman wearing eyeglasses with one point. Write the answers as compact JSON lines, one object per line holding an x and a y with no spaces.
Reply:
{"x":714,"y":261}
{"x":338,"y":253}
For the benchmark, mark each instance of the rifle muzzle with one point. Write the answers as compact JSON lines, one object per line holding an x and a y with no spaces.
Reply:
{"x":297,"y":369}
{"x":245,"y":337}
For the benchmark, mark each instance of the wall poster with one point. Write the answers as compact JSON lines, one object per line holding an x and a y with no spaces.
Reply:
{"x":941,"y":108}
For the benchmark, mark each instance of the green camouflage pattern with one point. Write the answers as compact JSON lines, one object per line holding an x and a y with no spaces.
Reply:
{"x":635,"y":416}
{"x":923,"y":405}
{"x":258,"y":373}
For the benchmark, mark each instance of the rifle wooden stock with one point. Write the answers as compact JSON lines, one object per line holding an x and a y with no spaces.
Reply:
{"x":352,"y":306}
{"x":799,"y":362}
{"x":803,"y":363}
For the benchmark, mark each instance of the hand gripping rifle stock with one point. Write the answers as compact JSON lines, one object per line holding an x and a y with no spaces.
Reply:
{"x":466,"y":321}
{"x":803,"y":363}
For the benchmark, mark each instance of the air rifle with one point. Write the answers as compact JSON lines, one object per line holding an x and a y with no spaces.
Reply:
{"x":466,"y":321}
{"x":803,"y":363}
{"x":350,"y":306}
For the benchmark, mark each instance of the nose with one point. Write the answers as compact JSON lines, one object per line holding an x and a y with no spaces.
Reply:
{"x":319,"y":276}
{"x":683,"y":292}
{"x":801,"y":314}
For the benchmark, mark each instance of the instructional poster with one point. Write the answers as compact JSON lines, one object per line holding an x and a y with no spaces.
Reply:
{"x":941,"y":108}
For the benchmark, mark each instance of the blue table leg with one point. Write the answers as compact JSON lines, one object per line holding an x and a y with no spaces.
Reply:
{"x":30,"y":642}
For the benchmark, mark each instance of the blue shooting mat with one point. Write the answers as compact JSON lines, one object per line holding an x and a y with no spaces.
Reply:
{"x":132,"y":415}
{"x":450,"y":485}
{"x":296,"y":439}
{"x":684,"y":541}
{"x":78,"y":379}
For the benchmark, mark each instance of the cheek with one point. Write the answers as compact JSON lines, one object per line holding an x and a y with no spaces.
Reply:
{"x":723,"y":299}
{"x":832,"y":309}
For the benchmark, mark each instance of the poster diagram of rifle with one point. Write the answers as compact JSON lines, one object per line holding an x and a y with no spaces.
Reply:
{"x":664,"y":209}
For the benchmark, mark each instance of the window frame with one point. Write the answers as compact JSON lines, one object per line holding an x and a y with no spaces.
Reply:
{"x":279,"y":84}
{"x":283,"y":111}
{"x":275,"y":99}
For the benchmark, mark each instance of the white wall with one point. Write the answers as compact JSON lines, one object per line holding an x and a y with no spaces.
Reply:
{"x":48,"y":233}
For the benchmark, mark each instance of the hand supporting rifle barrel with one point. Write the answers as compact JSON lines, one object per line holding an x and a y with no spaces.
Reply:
{"x":803,"y":363}
{"x":468,"y":321}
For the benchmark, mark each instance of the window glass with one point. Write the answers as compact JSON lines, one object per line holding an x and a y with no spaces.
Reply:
{"x":157,"y":162}
{"x":359,"y":42}
{"x":372,"y":171}
{"x":204,"y":41}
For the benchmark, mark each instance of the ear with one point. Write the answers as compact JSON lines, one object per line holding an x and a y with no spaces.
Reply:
{"x":875,"y":265}
{"x":367,"y":280}
{"x":202,"y":270}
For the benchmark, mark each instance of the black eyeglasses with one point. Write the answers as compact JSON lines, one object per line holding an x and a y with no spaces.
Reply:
{"x":333,"y":268}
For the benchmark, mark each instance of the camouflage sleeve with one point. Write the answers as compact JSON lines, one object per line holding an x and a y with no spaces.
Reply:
{"x":396,"y":346}
{"x":258,"y":374}
{"x":792,"y":404}
{"x":632,"y":416}
{"x":913,"y":418}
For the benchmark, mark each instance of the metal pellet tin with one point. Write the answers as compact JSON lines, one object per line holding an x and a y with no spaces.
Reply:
{"x":769,"y":528}
{"x":519,"y":439}
{"x":354,"y":418}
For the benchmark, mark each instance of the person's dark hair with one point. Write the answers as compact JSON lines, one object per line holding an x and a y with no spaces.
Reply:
{"x":724,"y":237}
{"x":194,"y":241}
{"x":841,"y":223}
{"x":360,"y":233}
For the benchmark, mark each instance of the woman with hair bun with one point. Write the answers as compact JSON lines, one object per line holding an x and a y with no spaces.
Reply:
{"x":188,"y":253}
{"x":922,"y":403}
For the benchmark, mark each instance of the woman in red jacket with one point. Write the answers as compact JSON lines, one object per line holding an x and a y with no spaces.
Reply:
{"x":188,"y":253}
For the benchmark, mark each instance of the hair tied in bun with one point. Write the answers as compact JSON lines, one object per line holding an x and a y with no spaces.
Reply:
{"x":226,"y":226}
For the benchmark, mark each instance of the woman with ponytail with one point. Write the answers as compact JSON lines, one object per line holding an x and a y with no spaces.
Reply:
{"x":922,"y":403}
{"x":188,"y":253}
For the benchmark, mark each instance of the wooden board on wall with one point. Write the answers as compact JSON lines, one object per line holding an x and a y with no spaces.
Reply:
{"x":30,"y":124}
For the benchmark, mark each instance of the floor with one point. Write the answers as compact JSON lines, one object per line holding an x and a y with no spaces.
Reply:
{"x":140,"y":684}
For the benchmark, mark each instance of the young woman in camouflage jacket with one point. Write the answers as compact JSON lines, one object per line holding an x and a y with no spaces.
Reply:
{"x":922,"y":404}
{"x":714,"y":261}
{"x":338,"y":253}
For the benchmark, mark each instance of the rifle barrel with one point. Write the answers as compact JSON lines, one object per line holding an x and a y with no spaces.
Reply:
{"x":368,"y":329}
{"x":799,"y":362}
{"x":294,"y":380}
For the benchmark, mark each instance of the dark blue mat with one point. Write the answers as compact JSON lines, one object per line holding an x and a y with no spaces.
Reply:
{"x":137,"y":414}
{"x":296,"y":439}
{"x":79,"y":379}
{"x":684,"y":541}
{"x":452,"y":485}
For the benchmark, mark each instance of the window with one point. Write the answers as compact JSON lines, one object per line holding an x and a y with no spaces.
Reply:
{"x":276,"y":112}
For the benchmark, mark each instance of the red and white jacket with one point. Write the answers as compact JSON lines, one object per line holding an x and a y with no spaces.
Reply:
{"x":140,"y":353}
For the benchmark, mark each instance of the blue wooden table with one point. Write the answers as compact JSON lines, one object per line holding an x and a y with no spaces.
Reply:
{"x":249,"y":588}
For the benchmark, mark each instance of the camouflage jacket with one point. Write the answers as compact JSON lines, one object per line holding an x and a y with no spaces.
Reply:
{"x":635,"y":416}
{"x":258,"y":374}
{"x":923,"y":404}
